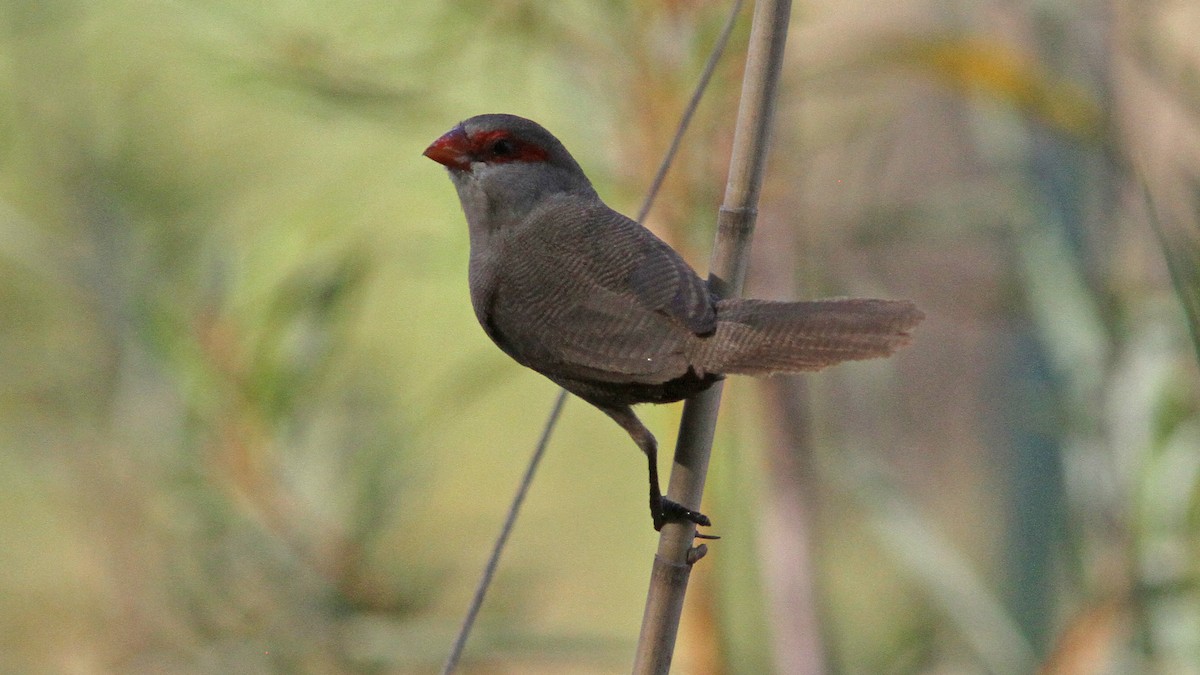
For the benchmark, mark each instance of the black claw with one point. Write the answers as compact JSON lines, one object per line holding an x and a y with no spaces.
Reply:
{"x":669,"y":511}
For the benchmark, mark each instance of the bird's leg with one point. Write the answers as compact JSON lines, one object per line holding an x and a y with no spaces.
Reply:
{"x":662,"y":510}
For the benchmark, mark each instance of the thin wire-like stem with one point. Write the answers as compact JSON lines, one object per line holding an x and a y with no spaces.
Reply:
{"x":735,"y":227}
{"x":489,"y":570}
{"x":701,"y":86}
{"x":510,"y":519}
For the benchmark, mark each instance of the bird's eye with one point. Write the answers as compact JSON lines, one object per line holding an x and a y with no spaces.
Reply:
{"x":503,"y":148}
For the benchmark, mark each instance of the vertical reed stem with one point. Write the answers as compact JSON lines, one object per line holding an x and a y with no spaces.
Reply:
{"x":727,"y":270}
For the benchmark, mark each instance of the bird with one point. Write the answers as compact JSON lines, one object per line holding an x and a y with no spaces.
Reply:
{"x":600,"y":305}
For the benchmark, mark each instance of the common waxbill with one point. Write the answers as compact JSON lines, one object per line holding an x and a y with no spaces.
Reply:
{"x":600,"y":305}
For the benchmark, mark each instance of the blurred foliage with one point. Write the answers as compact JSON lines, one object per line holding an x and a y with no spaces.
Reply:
{"x":247,"y":423}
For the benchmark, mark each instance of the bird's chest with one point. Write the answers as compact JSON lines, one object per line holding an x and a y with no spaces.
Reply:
{"x":498,"y":302}
{"x":521,"y":293}
{"x":483,"y":276}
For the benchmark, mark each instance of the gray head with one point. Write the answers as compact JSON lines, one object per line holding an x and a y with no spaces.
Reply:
{"x":504,"y":165}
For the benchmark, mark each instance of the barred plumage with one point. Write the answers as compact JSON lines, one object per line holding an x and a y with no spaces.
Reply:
{"x":597,"y":303}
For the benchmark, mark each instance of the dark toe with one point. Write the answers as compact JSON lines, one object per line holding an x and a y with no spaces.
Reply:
{"x":675,"y":512}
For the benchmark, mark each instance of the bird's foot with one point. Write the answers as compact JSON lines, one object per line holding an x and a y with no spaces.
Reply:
{"x":669,"y":511}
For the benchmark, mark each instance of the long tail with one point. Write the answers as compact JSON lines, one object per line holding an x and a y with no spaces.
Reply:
{"x":760,"y":337}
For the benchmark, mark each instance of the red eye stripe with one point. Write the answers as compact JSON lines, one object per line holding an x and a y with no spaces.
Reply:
{"x":500,"y":146}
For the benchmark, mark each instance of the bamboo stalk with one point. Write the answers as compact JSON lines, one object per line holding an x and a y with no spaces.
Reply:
{"x":727,"y":270}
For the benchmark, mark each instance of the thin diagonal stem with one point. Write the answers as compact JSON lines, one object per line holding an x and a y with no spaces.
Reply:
{"x":705,"y":77}
{"x":489,"y":570}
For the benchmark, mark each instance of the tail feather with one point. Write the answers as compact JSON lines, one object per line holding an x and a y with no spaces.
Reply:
{"x":760,"y":337}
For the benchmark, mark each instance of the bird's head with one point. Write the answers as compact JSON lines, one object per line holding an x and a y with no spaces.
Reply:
{"x":504,"y":165}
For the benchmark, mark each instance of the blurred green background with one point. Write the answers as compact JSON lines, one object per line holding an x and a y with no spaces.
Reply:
{"x":248,"y":423}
